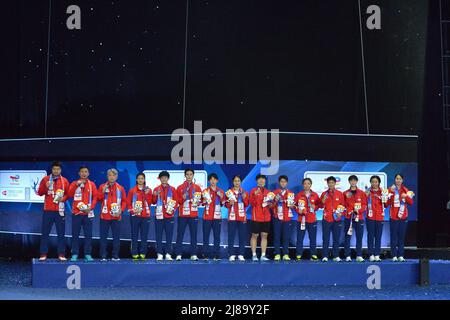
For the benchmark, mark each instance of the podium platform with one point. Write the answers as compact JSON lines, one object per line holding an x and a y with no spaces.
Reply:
{"x":149,"y":273}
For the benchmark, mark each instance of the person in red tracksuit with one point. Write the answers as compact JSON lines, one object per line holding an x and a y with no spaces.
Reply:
{"x":374,"y":218}
{"x":282,"y":207}
{"x":113,"y":201}
{"x":399,"y":199}
{"x":332,"y":202}
{"x":355,"y":204}
{"x":84,"y":194}
{"x":213,"y":199}
{"x":139,"y":201}
{"x":189,"y":197}
{"x":261,"y":199}
{"x":54,"y":187}
{"x":307,"y":203}
{"x":237,"y":203}
{"x":165,"y":199}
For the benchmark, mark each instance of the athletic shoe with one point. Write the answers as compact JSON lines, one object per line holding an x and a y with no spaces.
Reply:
{"x":255,"y":258}
{"x":74,"y":258}
{"x":142,"y":256}
{"x":394,"y":259}
{"x":115,"y":259}
{"x":337,"y":259}
{"x":134,"y":256}
{"x":401,"y":259}
{"x":372,"y":258}
{"x":313,"y":257}
{"x":377,"y":258}
{"x":88,"y":258}
{"x":348,"y":259}
{"x":178,"y":257}
{"x":325,"y":259}
{"x":277,"y":257}
{"x":62,"y":258}
{"x":217,"y":258}
{"x":103,"y":259}
{"x":359,"y":259}
{"x":286,"y":257}
{"x":205,"y":258}
{"x":194,"y":258}
{"x":264,"y":258}
{"x":168,"y":257}
{"x":298,"y":257}
{"x":232,"y":258}
{"x":241,"y":258}
{"x":43,"y":257}
{"x":159,"y":257}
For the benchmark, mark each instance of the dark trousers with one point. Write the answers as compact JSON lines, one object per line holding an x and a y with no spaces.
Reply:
{"x":139,"y":226}
{"x":398,"y":232}
{"x":312,"y":233}
{"x":183,"y":222}
{"x":48,"y":219}
{"x":241,"y":228}
{"x":374,"y":233}
{"x":79,"y":221}
{"x":164,"y":225}
{"x":105,"y":225}
{"x":358,"y":231}
{"x":281,"y":231}
{"x":215,"y":226}
{"x":333,"y":228}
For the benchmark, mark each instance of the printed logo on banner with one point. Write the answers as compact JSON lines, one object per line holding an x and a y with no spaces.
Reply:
{"x":21,"y":185}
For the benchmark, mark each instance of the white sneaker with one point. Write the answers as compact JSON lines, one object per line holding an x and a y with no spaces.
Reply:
{"x":159,"y":257}
{"x":241,"y":258}
{"x":348,"y":259}
{"x":394,"y":259}
{"x":377,"y":258}
{"x":401,"y":259}
{"x":232,"y":258}
{"x":325,"y":259}
{"x":372,"y":258}
{"x":115,"y":259}
{"x":337,"y":259}
{"x":194,"y":258}
{"x":178,"y":257}
{"x":359,"y":259}
{"x":168,"y":257}
{"x":255,"y":258}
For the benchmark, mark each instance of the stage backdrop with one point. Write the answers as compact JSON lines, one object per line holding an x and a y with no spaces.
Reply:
{"x":21,"y":208}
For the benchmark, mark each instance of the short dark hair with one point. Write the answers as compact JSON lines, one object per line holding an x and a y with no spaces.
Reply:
{"x":164,"y":173}
{"x":398,"y":174}
{"x":213,"y":175}
{"x":259,"y":175}
{"x":83,"y":167}
{"x":306,"y":179}
{"x":283,"y":177}
{"x":236,"y":176}
{"x":375,"y":177}
{"x":331,"y":178}
{"x":56,"y":164}
{"x":187,"y":170}
{"x":140,"y":174}
{"x":352,"y":177}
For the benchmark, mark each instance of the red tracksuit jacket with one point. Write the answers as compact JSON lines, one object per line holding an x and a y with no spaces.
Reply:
{"x":315,"y":202}
{"x":161,"y":196}
{"x":234,"y":214}
{"x":59,"y":183}
{"x":208,"y":214}
{"x":393,"y":211}
{"x":137,"y":194}
{"x":286,"y":214}
{"x":376,"y":209}
{"x":88,"y":191}
{"x":259,"y":213}
{"x":186,"y":209}
{"x":112,"y":198}
{"x":351,"y":198}
{"x":329,"y":201}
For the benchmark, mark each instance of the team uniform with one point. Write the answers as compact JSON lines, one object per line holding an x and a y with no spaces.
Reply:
{"x":374,"y":221}
{"x":307,"y":221}
{"x":164,"y":221}
{"x":113,"y":199}
{"x":188,"y":214}
{"x":398,"y":213}
{"x":237,"y":220}
{"x":53,"y":212}
{"x":212,"y":218}
{"x":331,"y":224}
{"x":355,"y":200}
{"x":282,"y":224}
{"x":260,"y":214}
{"x":139,"y":208}
{"x":84,"y":197}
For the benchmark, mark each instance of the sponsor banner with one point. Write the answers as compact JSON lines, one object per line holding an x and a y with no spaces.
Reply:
{"x":21,"y":185}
